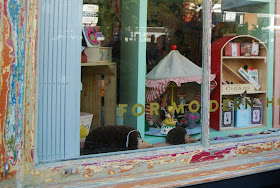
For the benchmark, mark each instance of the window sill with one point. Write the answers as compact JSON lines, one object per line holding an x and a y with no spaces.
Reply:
{"x":180,"y":165}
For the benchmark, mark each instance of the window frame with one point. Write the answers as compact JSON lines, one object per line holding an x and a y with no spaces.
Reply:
{"x":123,"y":158}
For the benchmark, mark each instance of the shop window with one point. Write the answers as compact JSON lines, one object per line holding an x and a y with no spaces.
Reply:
{"x":242,"y":58}
{"x":81,"y":89}
{"x":174,"y":68}
{"x":140,"y":65}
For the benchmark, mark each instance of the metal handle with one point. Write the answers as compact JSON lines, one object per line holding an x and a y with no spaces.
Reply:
{"x":6,"y":168}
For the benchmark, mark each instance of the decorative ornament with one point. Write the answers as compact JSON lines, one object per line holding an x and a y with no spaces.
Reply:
{"x":91,"y":34}
{"x":174,"y":47}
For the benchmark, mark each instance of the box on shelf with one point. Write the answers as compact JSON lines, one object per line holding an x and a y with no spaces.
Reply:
{"x":90,"y":8}
{"x":90,"y":20}
{"x":85,"y":120}
{"x":99,"y":54}
{"x":249,"y":49}
{"x":256,"y":115}
{"x":242,"y":116}
{"x":90,"y":14}
{"x":105,"y":54}
{"x":254,"y":74}
{"x":228,"y":118}
{"x":249,"y":78}
{"x":227,"y":114}
{"x":232,"y":49}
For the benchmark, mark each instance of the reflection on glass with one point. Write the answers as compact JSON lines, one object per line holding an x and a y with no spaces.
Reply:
{"x":173,"y":66}
{"x":242,"y":57}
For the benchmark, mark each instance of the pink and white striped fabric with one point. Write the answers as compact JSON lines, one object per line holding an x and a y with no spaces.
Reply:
{"x":213,"y":85}
{"x":172,"y":68}
{"x":153,"y":93}
{"x":160,"y":87}
{"x":178,"y":81}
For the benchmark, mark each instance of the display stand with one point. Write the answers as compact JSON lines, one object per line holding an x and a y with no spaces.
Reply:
{"x":226,"y":70}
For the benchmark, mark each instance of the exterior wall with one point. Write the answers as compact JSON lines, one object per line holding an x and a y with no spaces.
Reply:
{"x":166,"y":167}
{"x":18,"y":34}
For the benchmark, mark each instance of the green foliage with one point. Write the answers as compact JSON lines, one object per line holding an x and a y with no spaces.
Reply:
{"x":242,"y":29}
{"x":257,"y":30}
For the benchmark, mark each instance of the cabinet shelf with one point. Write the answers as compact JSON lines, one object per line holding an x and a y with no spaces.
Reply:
{"x":244,"y":57}
{"x":226,"y":68}
{"x":248,"y":92}
{"x":234,"y":73}
{"x":240,"y":128}
{"x":90,"y":64}
{"x":102,"y":68}
{"x":99,"y":80}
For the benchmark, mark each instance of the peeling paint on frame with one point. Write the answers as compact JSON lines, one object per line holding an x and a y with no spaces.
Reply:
{"x":133,"y":166}
{"x":13,"y":26}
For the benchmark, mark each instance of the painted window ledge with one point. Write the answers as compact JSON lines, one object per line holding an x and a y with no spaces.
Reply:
{"x":166,"y":167}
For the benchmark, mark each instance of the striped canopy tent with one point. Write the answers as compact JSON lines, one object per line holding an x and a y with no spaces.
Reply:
{"x":172,"y":68}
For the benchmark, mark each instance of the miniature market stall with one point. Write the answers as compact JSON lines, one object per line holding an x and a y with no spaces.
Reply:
{"x":174,"y":68}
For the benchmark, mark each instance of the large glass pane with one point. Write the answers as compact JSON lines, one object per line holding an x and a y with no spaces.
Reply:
{"x":243,"y":60}
{"x":174,"y":71}
{"x":113,"y":75}
{"x":152,"y":74}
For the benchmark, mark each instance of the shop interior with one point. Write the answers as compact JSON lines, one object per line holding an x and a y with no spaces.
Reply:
{"x":115,"y":76}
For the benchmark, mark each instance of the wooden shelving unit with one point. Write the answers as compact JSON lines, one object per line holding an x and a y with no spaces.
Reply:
{"x":243,"y":57}
{"x":95,"y":76}
{"x":226,"y":69}
{"x":233,"y":73}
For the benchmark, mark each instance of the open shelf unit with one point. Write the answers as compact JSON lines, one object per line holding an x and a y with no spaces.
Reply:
{"x":226,"y":69}
{"x":95,"y":77}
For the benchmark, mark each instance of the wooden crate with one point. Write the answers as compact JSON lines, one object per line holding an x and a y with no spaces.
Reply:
{"x":91,"y":98}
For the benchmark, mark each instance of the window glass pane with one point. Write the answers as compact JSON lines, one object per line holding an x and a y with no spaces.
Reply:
{"x":113,"y":76}
{"x":139,"y":74}
{"x":174,"y":73}
{"x":154,"y":65}
{"x":243,"y":58}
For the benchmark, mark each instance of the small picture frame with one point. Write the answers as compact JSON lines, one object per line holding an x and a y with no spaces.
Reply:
{"x":256,"y":115}
{"x":254,"y":74}
{"x":228,"y":118}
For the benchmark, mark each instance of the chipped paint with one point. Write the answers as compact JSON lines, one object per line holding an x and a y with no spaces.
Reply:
{"x":13,"y":34}
{"x":136,"y":165}
{"x":258,"y":148}
{"x":209,"y":155}
{"x":7,"y":59}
